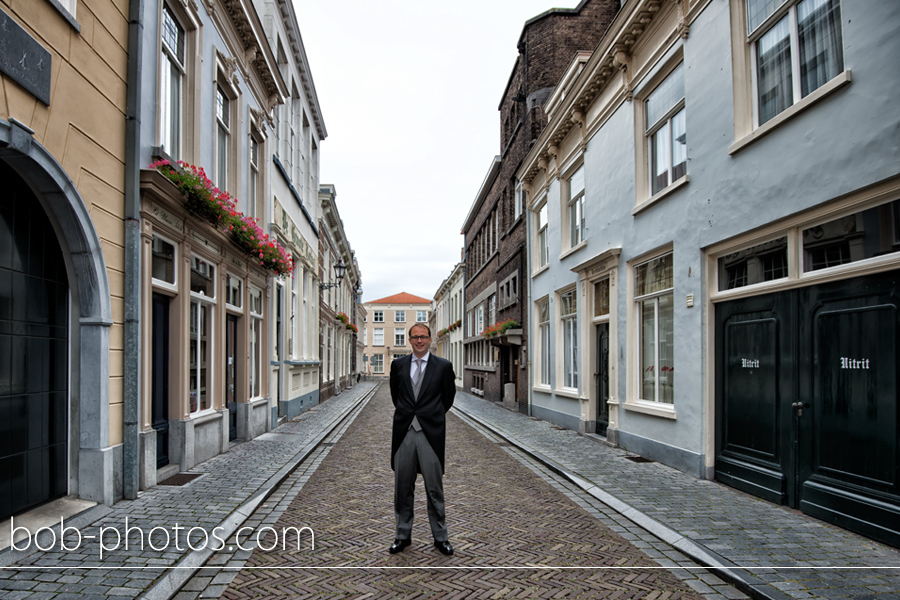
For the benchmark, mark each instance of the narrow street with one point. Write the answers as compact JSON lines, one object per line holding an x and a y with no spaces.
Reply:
{"x":515,"y":533}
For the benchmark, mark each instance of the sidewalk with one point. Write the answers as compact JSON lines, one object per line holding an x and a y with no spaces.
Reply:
{"x":95,"y":558}
{"x":765,"y":549}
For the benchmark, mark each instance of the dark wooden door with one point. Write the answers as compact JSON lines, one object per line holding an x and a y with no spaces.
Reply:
{"x":34,"y":369}
{"x":806,"y":401}
{"x":602,"y":378}
{"x":231,"y":387}
{"x":159,"y":403}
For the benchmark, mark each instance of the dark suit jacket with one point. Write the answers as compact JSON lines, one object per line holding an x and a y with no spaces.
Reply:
{"x":435,"y":399}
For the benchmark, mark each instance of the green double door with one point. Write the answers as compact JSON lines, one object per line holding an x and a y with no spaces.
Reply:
{"x":806,"y":401}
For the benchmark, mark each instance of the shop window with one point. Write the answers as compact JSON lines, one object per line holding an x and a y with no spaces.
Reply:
{"x":654,"y":299}
{"x":203,"y":277}
{"x":200,"y":350}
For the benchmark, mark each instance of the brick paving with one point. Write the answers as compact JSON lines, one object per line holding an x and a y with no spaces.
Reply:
{"x":515,"y":536}
{"x":779,"y":552}
{"x":230,"y":483}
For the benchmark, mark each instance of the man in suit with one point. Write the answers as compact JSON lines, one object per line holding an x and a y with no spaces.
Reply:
{"x":422,"y":390}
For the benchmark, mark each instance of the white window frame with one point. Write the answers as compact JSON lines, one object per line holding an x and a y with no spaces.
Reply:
{"x":201,"y":303}
{"x":541,"y":235}
{"x":161,"y":283}
{"x":574,"y":208}
{"x":223,"y":136}
{"x":542,"y":356}
{"x":421,"y":316}
{"x":256,"y":347}
{"x":653,"y":297}
{"x":662,"y":130}
{"x":378,"y":316}
{"x":172,"y":75}
{"x":378,"y":336}
{"x":378,"y":363}
{"x":568,"y":376}
{"x":399,"y":316}
{"x":400,"y":336}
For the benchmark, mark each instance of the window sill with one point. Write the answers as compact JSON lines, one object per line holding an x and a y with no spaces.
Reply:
{"x":826,"y":90}
{"x":568,"y":393}
{"x":656,"y":409}
{"x":573,"y":249}
{"x":206,"y":416}
{"x":65,"y":14}
{"x":539,"y":271}
{"x":544,"y":389}
{"x":660,"y":194}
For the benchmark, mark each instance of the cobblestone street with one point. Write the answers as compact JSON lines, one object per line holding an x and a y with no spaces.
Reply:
{"x":514,"y":534}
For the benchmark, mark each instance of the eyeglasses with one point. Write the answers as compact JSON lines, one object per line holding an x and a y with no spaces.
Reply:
{"x":419,"y":338}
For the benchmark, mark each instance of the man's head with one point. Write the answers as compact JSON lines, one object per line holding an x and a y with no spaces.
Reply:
{"x":420,"y":339}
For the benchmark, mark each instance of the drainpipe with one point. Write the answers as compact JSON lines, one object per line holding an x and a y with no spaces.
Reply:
{"x":132,"y":359}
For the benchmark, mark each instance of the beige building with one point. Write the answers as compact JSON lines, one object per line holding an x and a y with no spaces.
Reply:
{"x":62,"y":250}
{"x":447,"y":338}
{"x":386,"y":330}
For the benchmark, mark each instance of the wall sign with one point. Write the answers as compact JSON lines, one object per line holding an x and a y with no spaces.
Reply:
{"x":23,"y":59}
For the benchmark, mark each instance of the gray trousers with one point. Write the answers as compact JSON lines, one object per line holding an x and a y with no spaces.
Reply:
{"x":416,"y":451}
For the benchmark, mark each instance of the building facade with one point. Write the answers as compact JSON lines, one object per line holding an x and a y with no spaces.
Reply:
{"x":386,"y":329}
{"x":446,"y":316}
{"x":62,"y":251}
{"x":338,"y":297}
{"x":700,"y":202}
{"x":496,"y":261}
{"x":292,"y":163}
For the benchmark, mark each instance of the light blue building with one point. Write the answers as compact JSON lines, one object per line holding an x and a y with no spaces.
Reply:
{"x":715,"y":196}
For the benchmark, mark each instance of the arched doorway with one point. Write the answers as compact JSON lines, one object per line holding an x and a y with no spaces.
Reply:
{"x":34,"y":415}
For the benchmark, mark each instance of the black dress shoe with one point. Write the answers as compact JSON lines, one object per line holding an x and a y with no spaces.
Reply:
{"x":445,"y":547}
{"x":399,"y":545}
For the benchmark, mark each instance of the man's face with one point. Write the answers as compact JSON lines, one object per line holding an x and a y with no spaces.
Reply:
{"x":419,"y":338}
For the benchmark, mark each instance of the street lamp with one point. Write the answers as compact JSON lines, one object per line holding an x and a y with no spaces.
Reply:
{"x":339,"y":270}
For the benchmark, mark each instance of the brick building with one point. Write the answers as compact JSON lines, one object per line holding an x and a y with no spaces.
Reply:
{"x":496,"y":261}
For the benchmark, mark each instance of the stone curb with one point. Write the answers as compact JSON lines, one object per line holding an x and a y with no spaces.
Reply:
{"x":741,"y":579}
{"x":171,"y":581}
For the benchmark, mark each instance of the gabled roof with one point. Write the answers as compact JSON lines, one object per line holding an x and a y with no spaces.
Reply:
{"x":401,"y":298}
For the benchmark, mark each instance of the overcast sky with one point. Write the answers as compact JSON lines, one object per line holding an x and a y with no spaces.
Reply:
{"x":409,"y":92}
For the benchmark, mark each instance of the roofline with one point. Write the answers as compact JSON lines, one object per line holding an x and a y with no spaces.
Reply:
{"x":492,"y":173}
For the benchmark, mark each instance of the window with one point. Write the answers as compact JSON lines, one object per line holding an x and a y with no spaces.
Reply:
{"x":851,"y":238}
{"x":479,"y":319}
{"x":400,"y":337}
{"x":172,"y":70}
{"x":378,"y":316}
{"x":543,"y":310}
{"x":421,"y":316}
{"x":163,"y":267}
{"x":223,"y":109}
{"x":400,"y":316}
{"x":305,"y":317}
{"x":601,"y":298}
{"x":654,"y":297}
{"x":575,"y":202}
{"x":295,"y":276}
{"x":568,"y":313}
{"x":762,"y":262}
{"x":519,"y":201}
{"x":543,"y":245}
{"x":200,"y":350}
{"x":233,"y":291}
{"x":795,"y":54}
{"x":253,"y":185}
{"x":378,"y":363}
{"x":666,"y":133}
{"x":378,"y":336}
{"x":256,"y":342}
